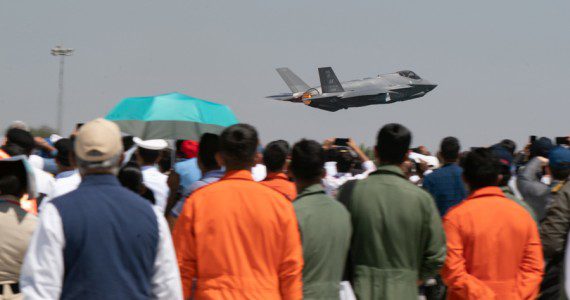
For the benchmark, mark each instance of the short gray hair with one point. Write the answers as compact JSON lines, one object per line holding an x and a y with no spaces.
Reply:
{"x":111,"y":164}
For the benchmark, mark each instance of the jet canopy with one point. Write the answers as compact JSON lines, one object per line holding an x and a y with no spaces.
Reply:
{"x":409,"y":74}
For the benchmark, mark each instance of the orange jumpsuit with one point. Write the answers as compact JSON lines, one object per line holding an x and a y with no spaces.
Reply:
{"x":239,"y":240}
{"x":493,"y":249}
{"x":281,"y":183}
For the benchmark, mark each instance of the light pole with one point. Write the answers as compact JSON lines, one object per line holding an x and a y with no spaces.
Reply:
{"x":62,"y":53}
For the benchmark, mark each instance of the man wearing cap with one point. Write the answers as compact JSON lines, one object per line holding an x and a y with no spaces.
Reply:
{"x":100,"y":241}
{"x":148,"y":155}
{"x":556,"y":224}
{"x":505,"y":160}
{"x":208,"y":149}
{"x":534,"y":191}
{"x":188,"y":168}
{"x":16,"y":225}
{"x":237,"y":238}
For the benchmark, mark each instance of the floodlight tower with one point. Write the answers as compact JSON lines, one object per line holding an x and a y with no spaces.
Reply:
{"x":62,"y":53}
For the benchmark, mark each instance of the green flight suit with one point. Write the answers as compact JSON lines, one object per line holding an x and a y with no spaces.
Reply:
{"x":325,"y":233}
{"x":398,"y":237}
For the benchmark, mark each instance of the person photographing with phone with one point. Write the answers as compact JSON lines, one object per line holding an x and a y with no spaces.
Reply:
{"x":345,"y":161}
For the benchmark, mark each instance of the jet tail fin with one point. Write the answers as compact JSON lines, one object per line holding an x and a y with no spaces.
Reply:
{"x":329,"y":82}
{"x":295,"y":83}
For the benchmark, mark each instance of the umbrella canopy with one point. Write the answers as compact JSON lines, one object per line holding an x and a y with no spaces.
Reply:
{"x":170,"y":116}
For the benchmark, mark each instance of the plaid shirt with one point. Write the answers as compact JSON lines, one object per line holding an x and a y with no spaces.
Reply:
{"x":446,"y":187}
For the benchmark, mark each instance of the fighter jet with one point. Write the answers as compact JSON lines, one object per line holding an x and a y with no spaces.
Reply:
{"x":333,"y":95}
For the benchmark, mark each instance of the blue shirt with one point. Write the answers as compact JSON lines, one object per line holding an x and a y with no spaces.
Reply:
{"x":189,"y":173}
{"x":209,"y":177}
{"x":446,"y":186}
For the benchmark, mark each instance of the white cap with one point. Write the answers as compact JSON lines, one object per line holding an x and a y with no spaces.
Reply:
{"x":151,"y":144}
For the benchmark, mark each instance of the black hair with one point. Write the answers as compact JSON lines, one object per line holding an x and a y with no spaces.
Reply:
{"x":64,"y":151}
{"x":275,"y":155}
{"x":344,"y":161}
{"x":128,"y":142}
{"x":208,"y":147}
{"x":11,"y":185}
{"x":13,"y":149}
{"x":307,"y":160}
{"x":165,"y":162}
{"x":509,"y":145}
{"x":148,"y":156}
{"x":238,"y":145}
{"x":13,"y":179}
{"x":560,"y":174}
{"x":449,"y":148}
{"x":481,"y":168}
{"x":21,"y":138}
{"x":392,"y":143}
{"x":130,"y":176}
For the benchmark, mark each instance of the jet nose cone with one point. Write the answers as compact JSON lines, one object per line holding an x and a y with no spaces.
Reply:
{"x":429,"y":86}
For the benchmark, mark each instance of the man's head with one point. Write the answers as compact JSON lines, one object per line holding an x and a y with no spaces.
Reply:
{"x":559,"y":162}
{"x":480,"y":169}
{"x":307,"y":162}
{"x":344,"y":160}
{"x":449,"y":149}
{"x":505,"y":160}
{"x":209,"y":147}
{"x":392,"y":144}
{"x":509,"y":145}
{"x":65,"y":156}
{"x":149,"y":151}
{"x":238,"y":145}
{"x":21,"y":138}
{"x":541,"y":147}
{"x":275,"y":156}
{"x":98,"y":147}
{"x":13,"y":178}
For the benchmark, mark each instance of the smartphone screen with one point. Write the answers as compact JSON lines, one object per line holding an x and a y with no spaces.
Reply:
{"x":341,"y":141}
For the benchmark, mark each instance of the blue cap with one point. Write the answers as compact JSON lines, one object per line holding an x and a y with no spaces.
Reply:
{"x":559,"y":158}
{"x":504,"y":156}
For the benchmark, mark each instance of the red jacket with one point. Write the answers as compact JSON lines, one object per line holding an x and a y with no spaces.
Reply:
{"x":493,"y":249}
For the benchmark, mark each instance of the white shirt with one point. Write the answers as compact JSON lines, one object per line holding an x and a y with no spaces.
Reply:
{"x":333,"y":182}
{"x":156,"y":182}
{"x":43,"y":269}
{"x":66,"y":182}
{"x":45,"y":184}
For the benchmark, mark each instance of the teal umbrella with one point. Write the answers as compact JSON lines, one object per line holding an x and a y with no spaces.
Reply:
{"x":170,"y":116}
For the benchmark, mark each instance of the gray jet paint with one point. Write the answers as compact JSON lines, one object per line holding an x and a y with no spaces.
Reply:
{"x":333,"y":95}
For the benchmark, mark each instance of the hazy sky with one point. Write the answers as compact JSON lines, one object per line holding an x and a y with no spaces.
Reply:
{"x":502,"y":66}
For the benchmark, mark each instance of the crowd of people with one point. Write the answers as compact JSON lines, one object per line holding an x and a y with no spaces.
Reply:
{"x":104,"y":215}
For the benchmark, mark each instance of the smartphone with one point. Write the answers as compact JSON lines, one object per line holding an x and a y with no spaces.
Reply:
{"x":532,"y":138}
{"x":78,"y":125}
{"x":340,"y":142}
{"x":562,"y":140}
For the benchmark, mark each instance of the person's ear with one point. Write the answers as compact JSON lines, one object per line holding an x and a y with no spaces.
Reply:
{"x":323,"y":173}
{"x":500,"y":178}
{"x":220,"y":159}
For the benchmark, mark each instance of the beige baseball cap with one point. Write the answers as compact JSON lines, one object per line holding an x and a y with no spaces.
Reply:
{"x":98,"y":140}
